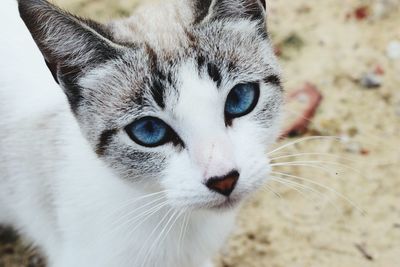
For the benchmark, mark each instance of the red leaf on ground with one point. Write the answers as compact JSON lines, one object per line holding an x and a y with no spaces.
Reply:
{"x":379,"y":70}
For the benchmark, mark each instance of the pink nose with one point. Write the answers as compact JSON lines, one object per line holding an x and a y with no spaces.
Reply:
{"x":223,"y":185}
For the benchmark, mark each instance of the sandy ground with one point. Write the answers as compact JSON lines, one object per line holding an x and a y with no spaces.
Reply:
{"x":309,"y":222}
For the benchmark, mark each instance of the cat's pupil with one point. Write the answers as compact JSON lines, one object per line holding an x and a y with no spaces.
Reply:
{"x":235,"y":98}
{"x":150,"y":127}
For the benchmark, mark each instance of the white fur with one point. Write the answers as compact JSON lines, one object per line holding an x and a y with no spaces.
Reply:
{"x":55,"y":190}
{"x":84,"y":194}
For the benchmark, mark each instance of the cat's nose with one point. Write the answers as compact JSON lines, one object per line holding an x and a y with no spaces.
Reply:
{"x":223,"y":184}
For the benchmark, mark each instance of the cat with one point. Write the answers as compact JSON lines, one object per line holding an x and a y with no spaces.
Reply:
{"x":158,"y":135}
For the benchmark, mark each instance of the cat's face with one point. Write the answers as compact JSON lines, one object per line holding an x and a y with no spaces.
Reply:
{"x":195,"y":120}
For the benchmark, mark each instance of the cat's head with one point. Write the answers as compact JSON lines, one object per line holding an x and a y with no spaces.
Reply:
{"x":186,"y":100}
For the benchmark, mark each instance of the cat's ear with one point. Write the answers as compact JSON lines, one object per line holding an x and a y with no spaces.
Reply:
{"x":229,"y":9}
{"x":69,"y":44}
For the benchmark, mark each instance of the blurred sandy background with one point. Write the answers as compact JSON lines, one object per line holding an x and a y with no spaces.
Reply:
{"x":350,"y":51}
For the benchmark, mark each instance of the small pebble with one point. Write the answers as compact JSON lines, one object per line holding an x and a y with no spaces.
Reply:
{"x":353,"y":148}
{"x":393,"y":50}
{"x":304,"y":9}
{"x":365,"y":152}
{"x":379,"y":70}
{"x":382,"y":8}
{"x":379,"y":10}
{"x":293,"y":40}
{"x":350,"y":145}
{"x":361,"y":12}
{"x":371,"y":81}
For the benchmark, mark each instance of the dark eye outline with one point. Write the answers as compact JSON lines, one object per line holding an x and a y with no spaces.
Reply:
{"x":230,"y":117}
{"x":170,"y":135}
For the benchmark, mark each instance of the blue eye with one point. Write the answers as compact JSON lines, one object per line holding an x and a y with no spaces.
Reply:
{"x":149,"y":132}
{"x":242,"y":100}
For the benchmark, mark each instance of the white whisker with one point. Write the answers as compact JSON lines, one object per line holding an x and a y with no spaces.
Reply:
{"x":162,"y":235}
{"x":304,"y":139}
{"x":135,"y":210}
{"x":295,"y":186}
{"x":329,"y":171}
{"x":138,"y":220}
{"x":317,"y":162}
{"x":312,"y":154}
{"x":185,"y":221}
{"x":139,"y":255}
{"x":269,"y":189}
{"x":324,"y":187}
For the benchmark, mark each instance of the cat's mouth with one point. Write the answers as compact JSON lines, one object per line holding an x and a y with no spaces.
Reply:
{"x":229,"y":203}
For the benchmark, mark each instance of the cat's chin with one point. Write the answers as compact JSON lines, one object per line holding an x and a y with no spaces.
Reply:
{"x":227,"y":205}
